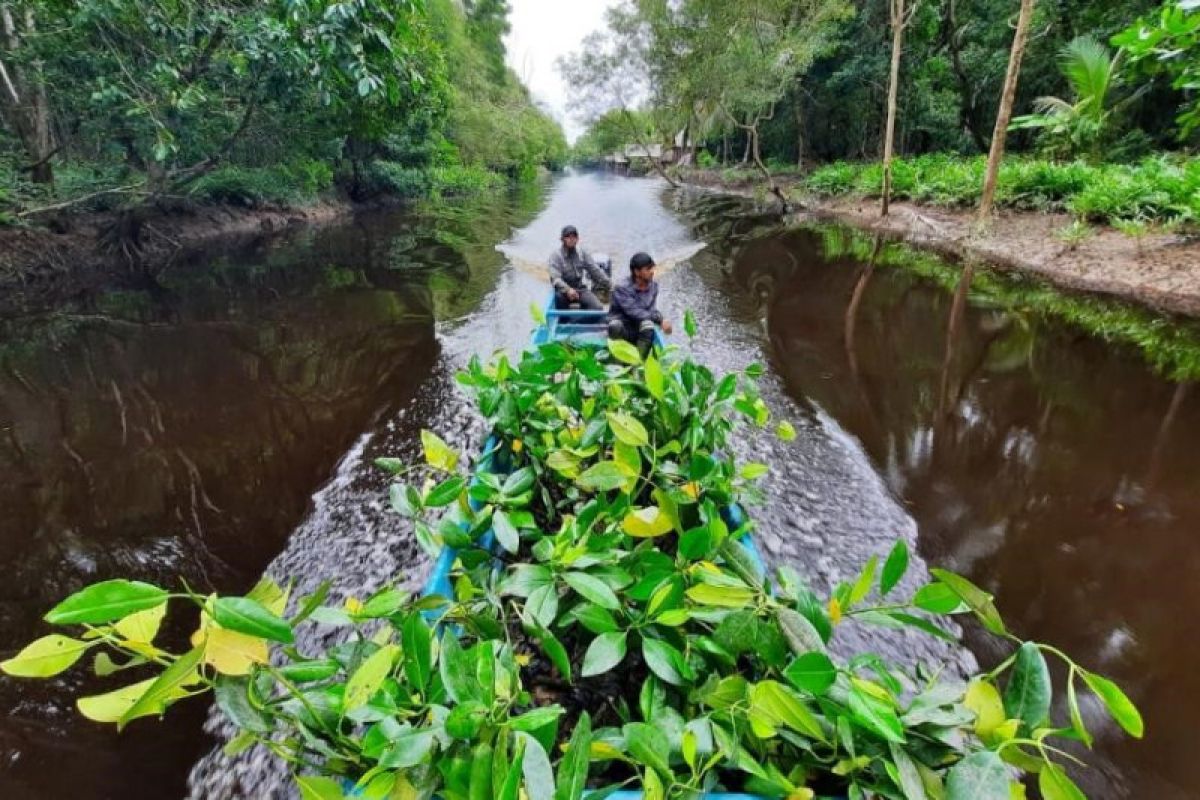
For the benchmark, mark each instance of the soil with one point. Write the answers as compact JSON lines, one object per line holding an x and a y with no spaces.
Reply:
{"x":75,"y":254}
{"x":1162,"y":271}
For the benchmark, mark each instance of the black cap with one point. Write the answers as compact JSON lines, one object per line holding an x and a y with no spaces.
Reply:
{"x":569,"y":230}
{"x":640,"y":260}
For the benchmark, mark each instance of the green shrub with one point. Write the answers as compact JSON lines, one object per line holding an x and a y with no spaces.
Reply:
{"x":1158,"y":189}
{"x":462,"y":180}
{"x":285,"y":185}
{"x":706,"y":160}
{"x":389,"y":177}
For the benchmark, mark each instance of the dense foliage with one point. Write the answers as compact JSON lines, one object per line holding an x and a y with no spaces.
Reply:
{"x":603,"y":625}
{"x":266,"y":102}
{"x":1158,"y":189}
{"x":807,"y":81}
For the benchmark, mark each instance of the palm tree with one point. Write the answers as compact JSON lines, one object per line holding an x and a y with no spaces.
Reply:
{"x":1082,"y":125}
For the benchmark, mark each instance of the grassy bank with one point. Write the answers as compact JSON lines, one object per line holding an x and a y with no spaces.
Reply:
{"x":1170,"y":346}
{"x":1163,"y":190}
{"x":93,"y":188}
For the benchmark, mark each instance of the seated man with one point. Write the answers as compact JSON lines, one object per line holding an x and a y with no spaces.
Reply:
{"x":567,"y":266}
{"x":634,"y":312}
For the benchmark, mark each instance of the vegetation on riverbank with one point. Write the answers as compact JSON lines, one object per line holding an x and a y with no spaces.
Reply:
{"x":122,"y":104}
{"x":601,"y":626}
{"x":1170,"y":346}
{"x":1160,"y":190}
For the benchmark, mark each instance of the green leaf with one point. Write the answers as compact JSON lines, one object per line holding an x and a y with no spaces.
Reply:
{"x":555,"y":651}
{"x":979,"y":776}
{"x":802,"y":636}
{"x":592,"y":588}
{"x":317,"y":787}
{"x":1055,"y":785}
{"x":595,"y":618}
{"x":779,"y":705}
{"x":785,"y":431}
{"x":537,"y":718}
{"x":812,"y":672}
{"x":539,"y":776}
{"x":417,"y":640}
{"x":564,"y":463}
{"x":1120,"y":707}
{"x":437,"y":453}
{"x":894,"y":568}
{"x":663,"y":660}
{"x":106,"y":601}
{"x":455,"y":667}
{"x":538,"y":313}
{"x":166,"y":687}
{"x":369,"y":677}
{"x":445,"y":492}
{"x":246,"y":616}
{"x":875,"y":715}
{"x":696,"y":543}
{"x":754,"y":470}
{"x":524,"y":579}
{"x":938,"y":598}
{"x":689,"y":324}
{"x":573,"y":767}
{"x":1076,"y":717}
{"x":908,"y":775}
{"x":984,"y":699}
{"x":604,"y":653}
{"x":646,"y":523}
{"x":603,"y":476}
{"x":628,"y":430}
{"x":233,"y":699}
{"x":408,"y":749}
{"x":648,"y":745}
{"x":45,"y":657}
{"x":979,"y":601}
{"x":506,"y":532}
{"x":654,"y":377}
{"x":1028,"y":693}
{"x":624,"y":352}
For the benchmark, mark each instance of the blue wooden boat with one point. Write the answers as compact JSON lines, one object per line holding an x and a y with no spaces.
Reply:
{"x":588,"y":328}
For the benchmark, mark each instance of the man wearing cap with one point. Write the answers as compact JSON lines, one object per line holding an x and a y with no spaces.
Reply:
{"x":634,"y":312}
{"x":567,"y":265}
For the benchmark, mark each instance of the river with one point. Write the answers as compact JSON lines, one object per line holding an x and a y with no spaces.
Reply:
{"x":224,"y":424}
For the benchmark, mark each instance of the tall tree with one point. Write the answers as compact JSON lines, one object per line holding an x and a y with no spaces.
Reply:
{"x":996,"y":154}
{"x":24,"y":103}
{"x":900,"y":17}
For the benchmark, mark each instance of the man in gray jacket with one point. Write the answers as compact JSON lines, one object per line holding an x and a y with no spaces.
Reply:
{"x":634,"y":309}
{"x":567,"y":266}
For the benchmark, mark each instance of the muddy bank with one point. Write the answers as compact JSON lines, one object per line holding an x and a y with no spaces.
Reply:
{"x":77,"y":254}
{"x":1161,"y":271}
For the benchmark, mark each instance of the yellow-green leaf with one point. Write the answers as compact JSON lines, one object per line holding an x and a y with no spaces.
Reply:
{"x":624,"y":351}
{"x":654,"y":378}
{"x":984,"y":699}
{"x":778,"y":705}
{"x":785,"y":431}
{"x":143,"y":625}
{"x":44,"y":657}
{"x":317,"y":787}
{"x":1119,"y":706}
{"x":721,"y":596}
{"x":646,"y":523}
{"x":628,"y":430}
{"x":114,"y":705}
{"x":437,"y":453}
{"x":367,"y":679}
{"x":166,"y":687}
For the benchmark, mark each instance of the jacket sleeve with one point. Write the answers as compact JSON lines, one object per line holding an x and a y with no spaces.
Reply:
{"x":556,"y":276}
{"x":599,"y":279}
{"x":627,"y":306}
{"x":655,"y":315}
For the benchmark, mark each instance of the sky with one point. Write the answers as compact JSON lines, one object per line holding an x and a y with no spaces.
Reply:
{"x":543,"y":30}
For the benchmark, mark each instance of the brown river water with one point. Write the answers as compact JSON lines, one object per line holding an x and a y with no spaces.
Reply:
{"x":224,"y":424}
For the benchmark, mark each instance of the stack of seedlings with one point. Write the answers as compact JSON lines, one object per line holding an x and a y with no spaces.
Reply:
{"x":602,"y":626}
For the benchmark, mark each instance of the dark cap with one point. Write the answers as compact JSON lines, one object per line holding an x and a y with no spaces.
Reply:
{"x":569,"y":230}
{"x":640,"y":260}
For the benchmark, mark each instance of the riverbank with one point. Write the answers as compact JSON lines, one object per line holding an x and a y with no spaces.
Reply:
{"x":41,"y":266}
{"x":1159,"y":270}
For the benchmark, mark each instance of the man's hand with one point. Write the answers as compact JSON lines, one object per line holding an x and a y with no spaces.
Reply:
{"x":666,"y":327}
{"x":572,"y":295}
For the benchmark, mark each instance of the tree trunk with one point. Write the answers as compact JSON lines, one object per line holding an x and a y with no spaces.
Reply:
{"x":24,"y":105}
{"x":1005,"y":113}
{"x":746,"y":152}
{"x":968,"y":94}
{"x":798,"y":112}
{"x":889,"y":136}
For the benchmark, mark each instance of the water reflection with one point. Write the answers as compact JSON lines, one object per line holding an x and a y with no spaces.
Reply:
{"x":179,"y":432}
{"x":1053,"y":469}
